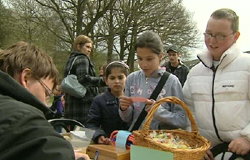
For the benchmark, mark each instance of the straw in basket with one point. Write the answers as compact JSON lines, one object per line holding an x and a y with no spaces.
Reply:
{"x":198,"y":143}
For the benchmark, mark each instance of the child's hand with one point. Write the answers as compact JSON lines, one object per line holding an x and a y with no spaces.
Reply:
{"x":208,"y":156}
{"x":239,"y":146}
{"x":125,"y":102}
{"x":103,"y":140}
{"x":149,"y":104}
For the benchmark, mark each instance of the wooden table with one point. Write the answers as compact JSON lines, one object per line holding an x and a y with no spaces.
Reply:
{"x":108,"y":152}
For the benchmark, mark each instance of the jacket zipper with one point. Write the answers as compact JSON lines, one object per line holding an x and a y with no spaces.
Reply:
{"x":213,"y":102}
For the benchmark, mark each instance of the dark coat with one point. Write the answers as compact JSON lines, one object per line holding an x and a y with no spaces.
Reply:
{"x":25,"y":134}
{"x":104,"y":116}
{"x":181,"y":71}
{"x":83,"y":68}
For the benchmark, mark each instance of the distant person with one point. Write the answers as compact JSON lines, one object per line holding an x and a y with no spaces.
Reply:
{"x":27,"y":78}
{"x":57,"y":104}
{"x":83,"y":68}
{"x":101,"y":70}
{"x":217,"y":89}
{"x":103,"y":115}
{"x":175,"y":65}
{"x":142,"y":83}
{"x":102,"y":74}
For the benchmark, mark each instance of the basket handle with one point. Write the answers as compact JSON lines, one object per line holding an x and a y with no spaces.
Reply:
{"x":145,"y":127}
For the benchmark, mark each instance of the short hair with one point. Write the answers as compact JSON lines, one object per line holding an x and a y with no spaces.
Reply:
{"x":228,"y":14}
{"x":116,"y":64}
{"x":23,"y":55}
{"x":82,"y":40}
{"x":150,"y":40}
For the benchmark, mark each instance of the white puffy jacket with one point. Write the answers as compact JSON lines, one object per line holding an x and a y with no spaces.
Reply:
{"x":219,"y":97}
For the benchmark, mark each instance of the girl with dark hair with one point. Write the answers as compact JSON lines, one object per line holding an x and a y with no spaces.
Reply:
{"x":141,"y":83}
{"x":103,"y":115}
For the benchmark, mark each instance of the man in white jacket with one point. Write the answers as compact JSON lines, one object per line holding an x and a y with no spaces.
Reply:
{"x":217,"y":89}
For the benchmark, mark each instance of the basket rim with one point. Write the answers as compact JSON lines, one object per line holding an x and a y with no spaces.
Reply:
{"x":206,"y":144}
{"x":171,"y":99}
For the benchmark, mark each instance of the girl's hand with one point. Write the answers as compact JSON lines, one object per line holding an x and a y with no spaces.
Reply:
{"x":125,"y":102}
{"x":149,"y":104}
{"x":103,"y":140}
{"x":239,"y":146}
{"x":208,"y":156}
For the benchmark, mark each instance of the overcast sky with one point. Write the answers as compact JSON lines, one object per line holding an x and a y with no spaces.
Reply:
{"x":202,"y":10}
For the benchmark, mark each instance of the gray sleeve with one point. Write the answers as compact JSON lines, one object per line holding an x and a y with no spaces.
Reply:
{"x":127,"y":115}
{"x":172,"y":115}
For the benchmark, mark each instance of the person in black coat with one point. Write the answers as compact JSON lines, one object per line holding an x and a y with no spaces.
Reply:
{"x":27,"y":78}
{"x":103,"y":115}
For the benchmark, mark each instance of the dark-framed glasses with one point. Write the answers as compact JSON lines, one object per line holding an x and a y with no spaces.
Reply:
{"x":216,"y":36}
{"x":49,"y":93}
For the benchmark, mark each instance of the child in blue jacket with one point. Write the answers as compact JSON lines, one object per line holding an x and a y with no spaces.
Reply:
{"x":103,"y":115}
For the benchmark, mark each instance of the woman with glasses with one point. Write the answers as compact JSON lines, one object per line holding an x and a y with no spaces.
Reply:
{"x":27,"y":78}
{"x":218,"y":88}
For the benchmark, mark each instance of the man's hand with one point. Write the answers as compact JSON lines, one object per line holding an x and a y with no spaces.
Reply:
{"x":208,"y":156}
{"x":81,"y":155}
{"x":239,"y":146}
{"x":103,"y":140}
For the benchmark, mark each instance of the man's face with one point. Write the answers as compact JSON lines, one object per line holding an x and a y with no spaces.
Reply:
{"x":41,"y":88}
{"x":223,"y":28}
{"x":173,"y":56}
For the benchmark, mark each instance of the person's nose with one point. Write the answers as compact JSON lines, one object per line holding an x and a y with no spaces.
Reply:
{"x":144,"y":64}
{"x":116,"y":80}
{"x":213,"y":40}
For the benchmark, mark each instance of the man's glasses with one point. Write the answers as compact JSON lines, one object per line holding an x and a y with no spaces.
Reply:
{"x":49,"y":93}
{"x":216,"y":36}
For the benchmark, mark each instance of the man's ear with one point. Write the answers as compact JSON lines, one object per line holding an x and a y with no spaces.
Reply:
{"x":237,"y":35}
{"x":178,"y":54}
{"x":24,"y":77}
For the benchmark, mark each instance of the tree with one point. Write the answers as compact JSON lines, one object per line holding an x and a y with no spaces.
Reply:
{"x":5,"y":25}
{"x":113,"y":25}
{"x":130,"y":18}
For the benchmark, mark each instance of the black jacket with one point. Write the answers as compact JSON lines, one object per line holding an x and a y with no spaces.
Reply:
{"x":104,"y":116}
{"x":25,"y":134}
{"x":181,"y":71}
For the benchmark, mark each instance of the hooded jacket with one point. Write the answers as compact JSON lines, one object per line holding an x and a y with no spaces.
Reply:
{"x":25,"y":134}
{"x":167,"y":116}
{"x":219,"y":96}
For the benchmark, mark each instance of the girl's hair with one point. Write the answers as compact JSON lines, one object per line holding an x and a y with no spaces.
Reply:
{"x":150,"y":40}
{"x":82,"y":40}
{"x":116,"y":64}
{"x":23,"y":55}
{"x":225,"y":13}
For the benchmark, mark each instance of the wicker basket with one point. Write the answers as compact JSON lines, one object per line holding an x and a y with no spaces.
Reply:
{"x":199,"y":144}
